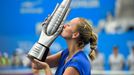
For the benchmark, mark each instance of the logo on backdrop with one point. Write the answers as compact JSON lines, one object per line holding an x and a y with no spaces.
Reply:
{"x":85,"y":4}
{"x":31,"y":7}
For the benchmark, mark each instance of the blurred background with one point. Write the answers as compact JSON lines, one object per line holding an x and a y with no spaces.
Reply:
{"x":112,"y":20}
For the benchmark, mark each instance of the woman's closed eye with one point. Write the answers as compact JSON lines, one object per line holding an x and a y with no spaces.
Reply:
{"x":68,"y":25}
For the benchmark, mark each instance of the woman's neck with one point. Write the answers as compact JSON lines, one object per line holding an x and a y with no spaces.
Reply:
{"x":72,"y":47}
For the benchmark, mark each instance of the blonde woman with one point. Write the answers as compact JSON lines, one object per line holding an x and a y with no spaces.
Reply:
{"x":72,"y":61}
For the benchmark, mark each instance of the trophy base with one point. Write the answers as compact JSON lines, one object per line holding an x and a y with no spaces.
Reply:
{"x":38,"y":52}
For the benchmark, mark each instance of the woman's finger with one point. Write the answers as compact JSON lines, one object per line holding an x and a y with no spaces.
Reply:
{"x":42,"y":63}
{"x":37,"y":61}
{"x":39,"y":64}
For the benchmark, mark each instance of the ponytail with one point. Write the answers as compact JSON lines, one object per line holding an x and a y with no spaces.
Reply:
{"x":93,"y":43}
{"x":86,"y":36}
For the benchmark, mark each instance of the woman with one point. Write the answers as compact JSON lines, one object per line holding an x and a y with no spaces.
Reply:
{"x":72,"y":61}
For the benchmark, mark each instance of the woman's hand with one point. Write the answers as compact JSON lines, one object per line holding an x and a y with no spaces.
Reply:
{"x":38,"y":65}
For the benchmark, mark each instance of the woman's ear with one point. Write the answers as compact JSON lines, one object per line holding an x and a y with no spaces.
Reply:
{"x":75,"y":35}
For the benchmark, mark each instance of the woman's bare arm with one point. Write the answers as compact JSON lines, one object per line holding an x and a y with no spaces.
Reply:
{"x":53,"y":60}
{"x":71,"y":71}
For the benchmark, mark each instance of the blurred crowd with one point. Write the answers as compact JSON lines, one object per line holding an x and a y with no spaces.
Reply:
{"x":116,"y":60}
{"x":17,"y":59}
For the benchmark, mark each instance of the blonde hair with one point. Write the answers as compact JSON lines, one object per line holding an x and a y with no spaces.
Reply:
{"x":86,"y":36}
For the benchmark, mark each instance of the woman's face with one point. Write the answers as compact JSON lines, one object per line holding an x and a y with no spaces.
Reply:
{"x":69,"y":29}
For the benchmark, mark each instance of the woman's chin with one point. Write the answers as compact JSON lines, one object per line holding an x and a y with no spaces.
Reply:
{"x":62,"y":35}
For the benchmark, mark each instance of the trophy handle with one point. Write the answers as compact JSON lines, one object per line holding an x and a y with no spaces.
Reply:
{"x":39,"y":52}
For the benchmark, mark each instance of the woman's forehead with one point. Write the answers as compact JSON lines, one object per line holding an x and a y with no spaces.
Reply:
{"x":74,"y":22}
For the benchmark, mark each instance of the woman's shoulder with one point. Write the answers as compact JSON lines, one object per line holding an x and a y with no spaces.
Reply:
{"x":80,"y":58}
{"x":81,"y":63}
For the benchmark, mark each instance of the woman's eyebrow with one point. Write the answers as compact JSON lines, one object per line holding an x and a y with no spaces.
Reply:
{"x":68,"y":24}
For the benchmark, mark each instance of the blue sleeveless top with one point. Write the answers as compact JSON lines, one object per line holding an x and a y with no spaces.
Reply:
{"x":79,"y":61}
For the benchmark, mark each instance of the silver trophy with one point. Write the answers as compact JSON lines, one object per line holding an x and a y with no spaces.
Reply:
{"x":51,"y":28}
